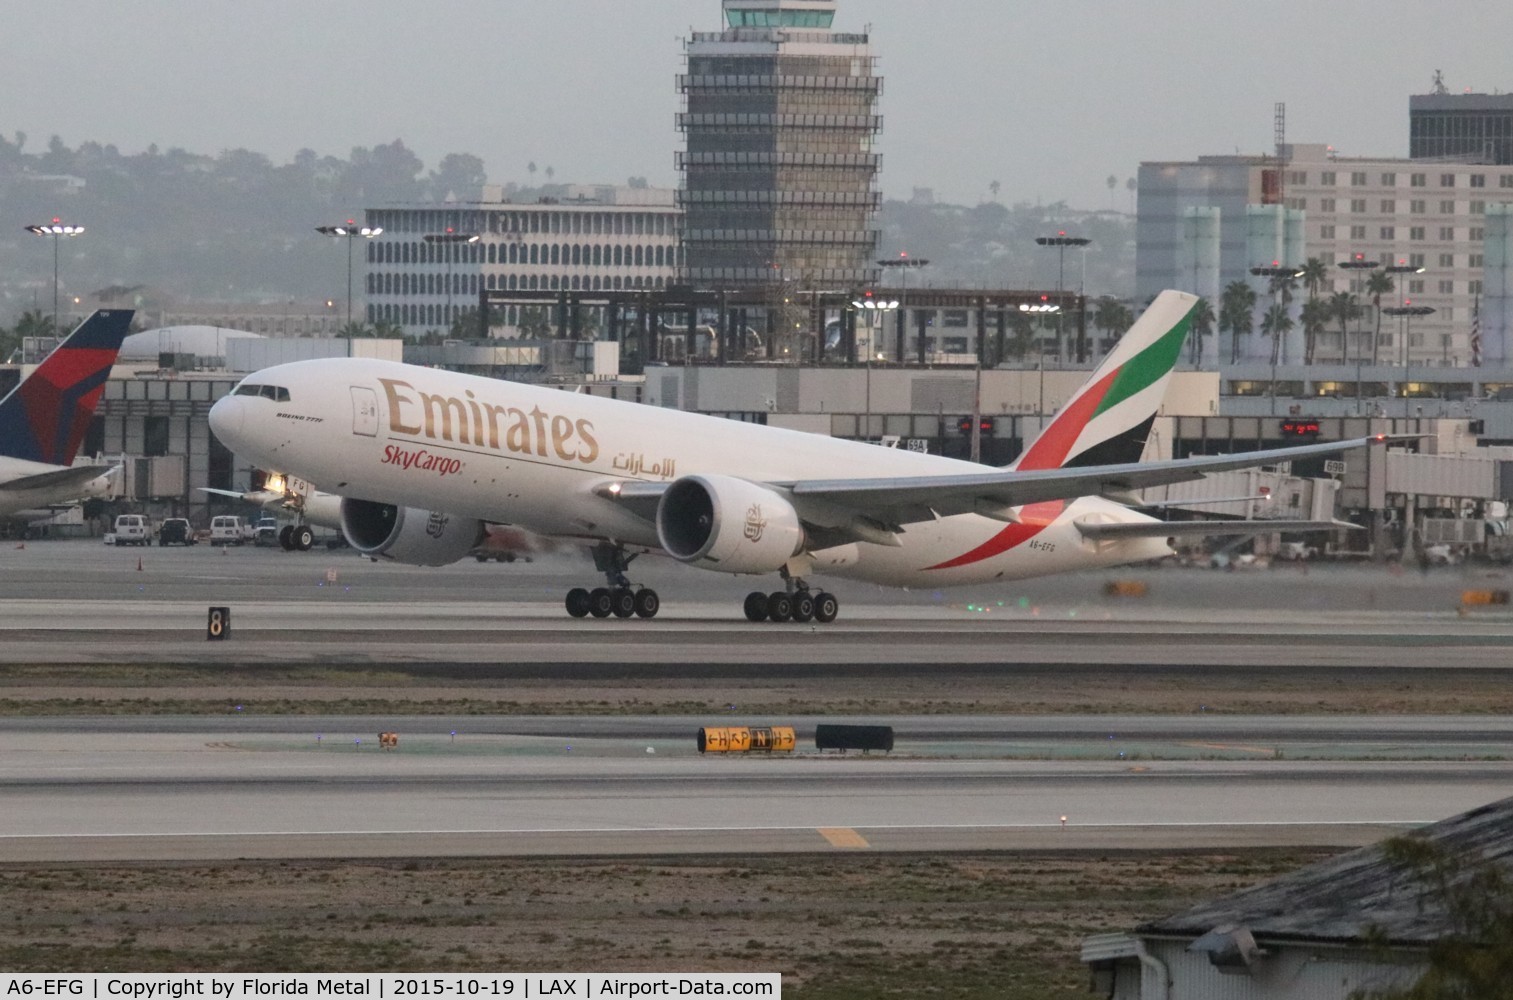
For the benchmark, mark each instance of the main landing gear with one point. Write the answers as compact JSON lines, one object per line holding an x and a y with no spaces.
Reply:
{"x":296,"y":537}
{"x":621,"y":598}
{"x":795,"y":604}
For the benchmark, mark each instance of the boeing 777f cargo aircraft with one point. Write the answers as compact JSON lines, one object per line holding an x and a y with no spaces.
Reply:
{"x":424,"y":458}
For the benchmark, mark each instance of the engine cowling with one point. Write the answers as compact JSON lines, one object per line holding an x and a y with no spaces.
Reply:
{"x":407,"y":534}
{"x":728,"y":524}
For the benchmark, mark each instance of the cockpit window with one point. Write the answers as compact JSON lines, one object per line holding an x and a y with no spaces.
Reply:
{"x":277,"y":393}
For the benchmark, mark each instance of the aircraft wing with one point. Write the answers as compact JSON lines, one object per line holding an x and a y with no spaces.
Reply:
{"x":896,"y":501}
{"x":76,"y":475}
{"x":1205,"y":529}
{"x":901,"y":500}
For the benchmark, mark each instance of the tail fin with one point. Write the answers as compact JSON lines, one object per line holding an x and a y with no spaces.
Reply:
{"x":45,"y":417}
{"x":1107,"y":421}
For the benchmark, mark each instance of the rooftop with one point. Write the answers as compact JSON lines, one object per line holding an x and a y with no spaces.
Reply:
{"x":1346,"y":898}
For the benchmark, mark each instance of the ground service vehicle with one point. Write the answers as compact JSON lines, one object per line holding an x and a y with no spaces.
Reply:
{"x":133,"y":529}
{"x":227,"y":529}
{"x":175,"y":531}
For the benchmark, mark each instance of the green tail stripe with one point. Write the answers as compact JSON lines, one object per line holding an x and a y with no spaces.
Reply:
{"x":1147,"y":367}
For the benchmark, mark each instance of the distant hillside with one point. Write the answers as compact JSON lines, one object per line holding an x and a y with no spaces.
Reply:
{"x":238,"y":227}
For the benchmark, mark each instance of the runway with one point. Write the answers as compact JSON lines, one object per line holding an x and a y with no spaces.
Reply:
{"x":95,"y":788}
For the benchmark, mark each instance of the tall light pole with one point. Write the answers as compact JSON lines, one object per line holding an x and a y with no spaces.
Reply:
{"x":876,"y":311}
{"x":1407,"y":311}
{"x":1061,"y":241}
{"x":350,"y":232}
{"x":57,"y":230}
{"x":903,"y":263}
{"x":449,"y":240}
{"x":1277,"y":270}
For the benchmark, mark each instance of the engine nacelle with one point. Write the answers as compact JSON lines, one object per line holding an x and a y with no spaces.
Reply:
{"x":406,"y":534}
{"x":728,"y":524}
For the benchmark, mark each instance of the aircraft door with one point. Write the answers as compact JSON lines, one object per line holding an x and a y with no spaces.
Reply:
{"x":364,"y":411}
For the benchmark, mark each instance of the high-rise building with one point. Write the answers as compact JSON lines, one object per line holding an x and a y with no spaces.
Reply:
{"x":1473,"y":128}
{"x":1401,"y":213}
{"x":779,"y":168}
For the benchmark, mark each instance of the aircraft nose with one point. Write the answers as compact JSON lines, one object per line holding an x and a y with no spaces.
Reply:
{"x":226,"y":419}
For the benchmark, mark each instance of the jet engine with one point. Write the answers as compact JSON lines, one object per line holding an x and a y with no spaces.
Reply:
{"x":728,"y":524}
{"x":406,"y":534}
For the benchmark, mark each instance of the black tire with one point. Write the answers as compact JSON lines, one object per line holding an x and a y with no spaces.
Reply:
{"x":624,"y":602}
{"x":601,"y":603}
{"x":826,"y":607}
{"x":286,"y":538}
{"x":779,"y":606}
{"x":577,"y":602}
{"x":756,"y":606}
{"x":647,"y":603}
{"x":803,"y":607}
{"x":303,"y":538}
{"x":484,"y":559}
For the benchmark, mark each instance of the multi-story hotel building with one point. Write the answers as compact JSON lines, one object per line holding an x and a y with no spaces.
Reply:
{"x":1197,"y":229}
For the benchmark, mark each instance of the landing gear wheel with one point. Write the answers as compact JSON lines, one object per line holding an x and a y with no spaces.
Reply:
{"x":647,"y":603}
{"x":756,"y":606}
{"x":577,"y":602}
{"x":601,"y":604}
{"x":803,"y":607}
{"x":779,"y":606}
{"x":286,"y":538}
{"x":302,"y":538}
{"x":826,"y":607}
{"x":622,"y":602}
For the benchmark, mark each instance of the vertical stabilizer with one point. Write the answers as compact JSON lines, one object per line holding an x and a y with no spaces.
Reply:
{"x":1107,"y":421}
{"x":45,"y":417}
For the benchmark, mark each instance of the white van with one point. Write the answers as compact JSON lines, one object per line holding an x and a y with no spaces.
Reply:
{"x":227,"y":529}
{"x":133,"y":529}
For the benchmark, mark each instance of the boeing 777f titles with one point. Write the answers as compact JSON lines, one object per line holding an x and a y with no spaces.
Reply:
{"x":424,"y":458}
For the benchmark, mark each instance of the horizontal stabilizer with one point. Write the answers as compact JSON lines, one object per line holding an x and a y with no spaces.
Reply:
{"x":76,"y":475}
{"x":1169,"y":529}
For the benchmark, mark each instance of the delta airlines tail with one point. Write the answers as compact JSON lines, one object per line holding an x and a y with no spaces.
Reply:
{"x":425,"y":458}
{"x":44,"y":419}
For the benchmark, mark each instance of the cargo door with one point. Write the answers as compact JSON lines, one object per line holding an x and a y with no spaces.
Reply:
{"x":364,"y":411}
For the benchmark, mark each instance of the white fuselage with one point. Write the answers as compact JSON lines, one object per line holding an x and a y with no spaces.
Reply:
{"x":532,"y":456}
{"x":14,"y":502}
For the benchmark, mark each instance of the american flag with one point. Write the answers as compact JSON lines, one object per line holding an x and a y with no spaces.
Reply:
{"x":1476,"y":334}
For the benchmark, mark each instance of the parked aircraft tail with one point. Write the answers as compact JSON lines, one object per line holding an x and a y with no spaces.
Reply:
{"x":44,"y":418}
{"x":1107,"y":421}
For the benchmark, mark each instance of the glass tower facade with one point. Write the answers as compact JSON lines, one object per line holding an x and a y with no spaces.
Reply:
{"x":779,"y":172}
{"x":1476,"y":128}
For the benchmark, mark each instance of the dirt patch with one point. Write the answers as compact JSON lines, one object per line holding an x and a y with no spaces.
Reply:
{"x":965,"y":925}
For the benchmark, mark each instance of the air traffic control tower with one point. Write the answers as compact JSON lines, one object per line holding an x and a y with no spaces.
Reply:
{"x":779,"y":172}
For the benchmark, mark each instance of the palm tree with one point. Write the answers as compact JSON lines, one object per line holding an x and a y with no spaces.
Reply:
{"x":1315,"y":317}
{"x":1235,"y":306}
{"x":1344,"y":307}
{"x":1283,"y":285}
{"x":1315,"y":273}
{"x":1112,"y":316}
{"x":1379,"y":284}
{"x":1202,"y":326}
{"x":1276,"y":324}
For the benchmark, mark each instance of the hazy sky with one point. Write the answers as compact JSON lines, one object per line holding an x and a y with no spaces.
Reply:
{"x":1047,"y":98}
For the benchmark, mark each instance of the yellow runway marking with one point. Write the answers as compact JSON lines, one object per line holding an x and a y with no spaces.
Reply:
{"x":1231,"y":746}
{"x":840,"y":836}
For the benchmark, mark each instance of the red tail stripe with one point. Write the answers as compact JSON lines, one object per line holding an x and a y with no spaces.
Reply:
{"x":1054,"y":443}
